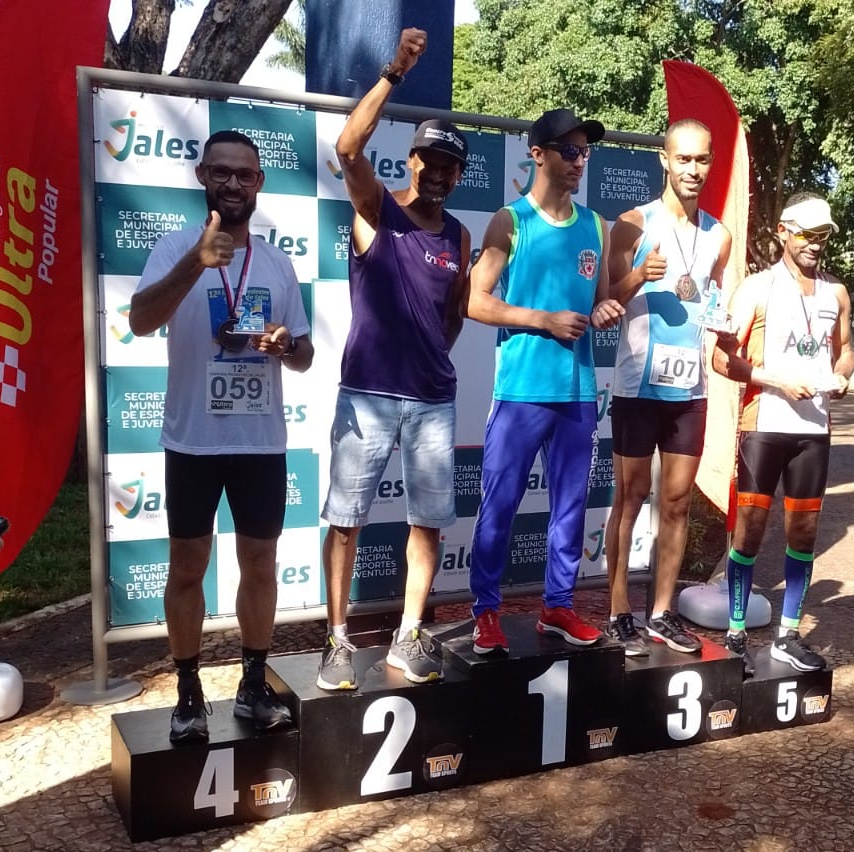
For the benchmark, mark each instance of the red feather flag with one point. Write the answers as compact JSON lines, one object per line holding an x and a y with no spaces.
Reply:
{"x":41,"y":314}
{"x":692,"y":92}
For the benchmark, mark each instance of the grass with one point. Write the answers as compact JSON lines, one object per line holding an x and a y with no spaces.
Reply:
{"x":54,"y":565}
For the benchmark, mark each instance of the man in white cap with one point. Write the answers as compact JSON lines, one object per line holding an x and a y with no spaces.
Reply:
{"x":408,"y":263}
{"x":792,"y":325}
{"x":542,"y":278}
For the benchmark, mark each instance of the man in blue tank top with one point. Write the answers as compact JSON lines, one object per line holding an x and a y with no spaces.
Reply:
{"x":408,"y":262}
{"x":542,"y":279}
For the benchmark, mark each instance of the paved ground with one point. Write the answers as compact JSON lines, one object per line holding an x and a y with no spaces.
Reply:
{"x":774,"y":792}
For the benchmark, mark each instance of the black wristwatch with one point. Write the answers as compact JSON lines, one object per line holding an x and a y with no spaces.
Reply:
{"x":388,"y":74}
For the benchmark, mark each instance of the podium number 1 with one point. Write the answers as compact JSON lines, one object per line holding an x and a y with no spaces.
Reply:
{"x":553,"y":685}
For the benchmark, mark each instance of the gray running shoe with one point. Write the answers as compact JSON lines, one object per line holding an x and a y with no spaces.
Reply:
{"x":623,"y":629}
{"x":793,"y":650}
{"x":670,"y":630}
{"x":189,"y":723}
{"x":737,"y":643}
{"x":409,"y":653}
{"x":262,"y":705}
{"x":336,"y":665}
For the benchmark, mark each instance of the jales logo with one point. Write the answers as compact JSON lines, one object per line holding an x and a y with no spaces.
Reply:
{"x":139,"y":500}
{"x":142,"y":145}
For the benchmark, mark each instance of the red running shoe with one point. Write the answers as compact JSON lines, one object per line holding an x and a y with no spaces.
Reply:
{"x":488,"y":636}
{"x":568,"y":625}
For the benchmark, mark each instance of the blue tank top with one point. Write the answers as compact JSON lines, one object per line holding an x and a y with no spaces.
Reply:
{"x":553,"y":266}
{"x":399,"y":292}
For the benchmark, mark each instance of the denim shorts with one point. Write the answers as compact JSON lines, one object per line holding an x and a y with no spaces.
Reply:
{"x":366,"y":429}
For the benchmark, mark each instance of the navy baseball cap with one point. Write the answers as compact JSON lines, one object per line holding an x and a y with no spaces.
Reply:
{"x":439,"y":135}
{"x":555,"y":123}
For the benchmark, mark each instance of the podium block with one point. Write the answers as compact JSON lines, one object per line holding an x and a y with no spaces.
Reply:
{"x":674,"y":699}
{"x":778,"y":696}
{"x":390,"y":737}
{"x":547,"y":703}
{"x":239,"y":775}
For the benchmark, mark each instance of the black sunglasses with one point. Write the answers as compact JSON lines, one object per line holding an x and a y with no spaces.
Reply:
{"x":569,"y":151}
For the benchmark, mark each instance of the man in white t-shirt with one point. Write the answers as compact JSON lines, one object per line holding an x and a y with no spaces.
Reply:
{"x":235,"y":317}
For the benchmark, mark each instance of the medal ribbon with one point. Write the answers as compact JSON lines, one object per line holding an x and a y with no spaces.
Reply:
{"x":693,"y":250}
{"x":233,"y":299}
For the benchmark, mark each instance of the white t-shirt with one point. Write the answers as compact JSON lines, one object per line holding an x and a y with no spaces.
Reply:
{"x":202,"y":375}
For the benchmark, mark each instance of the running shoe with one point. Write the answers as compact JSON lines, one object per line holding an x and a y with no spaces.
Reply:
{"x":668,"y":628}
{"x":261,"y":704}
{"x":336,"y":665}
{"x":488,"y":637}
{"x":409,"y":653}
{"x":568,"y":625}
{"x":793,"y":650}
{"x":623,"y":629}
{"x":737,"y":643}
{"x":189,"y":723}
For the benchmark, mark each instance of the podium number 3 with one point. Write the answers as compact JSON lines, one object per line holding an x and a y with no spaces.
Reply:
{"x":687,"y":686}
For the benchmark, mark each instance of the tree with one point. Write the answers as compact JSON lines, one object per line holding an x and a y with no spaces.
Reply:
{"x":604,"y":58}
{"x":292,"y":38}
{"x":229,"y":36}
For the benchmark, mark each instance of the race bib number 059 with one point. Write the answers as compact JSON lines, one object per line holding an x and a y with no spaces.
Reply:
{"x":239,"y":387}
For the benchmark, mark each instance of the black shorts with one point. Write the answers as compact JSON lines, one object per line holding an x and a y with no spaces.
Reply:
{"x":801,"y":460}
{"x":256,"y":487}
{"x":641,"y":425}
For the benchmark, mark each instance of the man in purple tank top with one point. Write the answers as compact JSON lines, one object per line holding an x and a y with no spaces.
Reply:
{"x":408,"y":262}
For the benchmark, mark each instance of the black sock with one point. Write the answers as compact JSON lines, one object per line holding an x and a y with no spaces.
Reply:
{"x":254,"y":666}
{"x":188,"y":672}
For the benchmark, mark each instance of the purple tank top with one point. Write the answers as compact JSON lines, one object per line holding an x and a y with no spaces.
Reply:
{"x":399,"y":292}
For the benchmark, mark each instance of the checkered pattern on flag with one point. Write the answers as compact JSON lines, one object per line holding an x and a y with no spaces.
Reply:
{"x":41,"y":326}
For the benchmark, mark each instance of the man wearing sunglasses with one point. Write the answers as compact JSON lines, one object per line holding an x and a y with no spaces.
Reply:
{"x":541,"y":278}
{"x":223,"y":421}
{"x":408,"y":263}
{"x":793,"y":351}
{"x":664,"y":256}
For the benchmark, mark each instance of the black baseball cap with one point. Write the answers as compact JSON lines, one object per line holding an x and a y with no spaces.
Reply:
{"x":439,"y":135}
{"x":555,"y":123}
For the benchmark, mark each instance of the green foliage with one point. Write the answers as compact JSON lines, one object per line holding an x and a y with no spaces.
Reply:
{"x":54,"y":565}
{"x":787,"y":65}
{"x":291,"y":35}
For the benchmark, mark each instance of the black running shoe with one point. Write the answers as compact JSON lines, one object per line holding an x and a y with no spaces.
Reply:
{"x":793,"y":650}
{"x":623,"y":630}
{"x":189,"y":723}
{"x":669,"y":629}
{"x":737,"y":643}
{"x":262,"y":705}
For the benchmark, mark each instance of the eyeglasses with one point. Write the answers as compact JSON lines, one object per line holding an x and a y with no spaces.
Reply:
{"x":222,"y":174}
{"x":568,"y":151}
{"x":802,"y":235}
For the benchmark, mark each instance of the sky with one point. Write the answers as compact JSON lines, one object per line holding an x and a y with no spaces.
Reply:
{"x":184,"y":21}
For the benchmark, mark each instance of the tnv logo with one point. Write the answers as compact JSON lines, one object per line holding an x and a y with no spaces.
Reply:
{"x":445,"y":764}
{"x":273,"y":792}
{"x":602,"y":737}
{"x":720,"y":719}
{"x":815,"y":704}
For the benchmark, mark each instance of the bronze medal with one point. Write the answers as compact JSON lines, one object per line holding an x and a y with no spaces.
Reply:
{"x":686,"y":288}
{"x":230,"y":341}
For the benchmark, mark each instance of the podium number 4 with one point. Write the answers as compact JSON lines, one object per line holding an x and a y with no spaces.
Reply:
{"x":216,"y":784}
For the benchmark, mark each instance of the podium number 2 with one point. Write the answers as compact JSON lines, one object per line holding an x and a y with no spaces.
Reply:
{"x":687,"y":686}
{"x":216,"y":783}
{"x":379,"y":778}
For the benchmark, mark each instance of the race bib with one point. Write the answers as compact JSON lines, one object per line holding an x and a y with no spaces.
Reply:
{"x":674,"y":366}
{"x":239,"y":387}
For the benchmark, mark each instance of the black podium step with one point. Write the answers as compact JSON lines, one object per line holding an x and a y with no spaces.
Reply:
{"x":545,"y":704}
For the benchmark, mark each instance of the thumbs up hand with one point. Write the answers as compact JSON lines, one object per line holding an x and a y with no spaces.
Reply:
{"x":215,"y":247}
